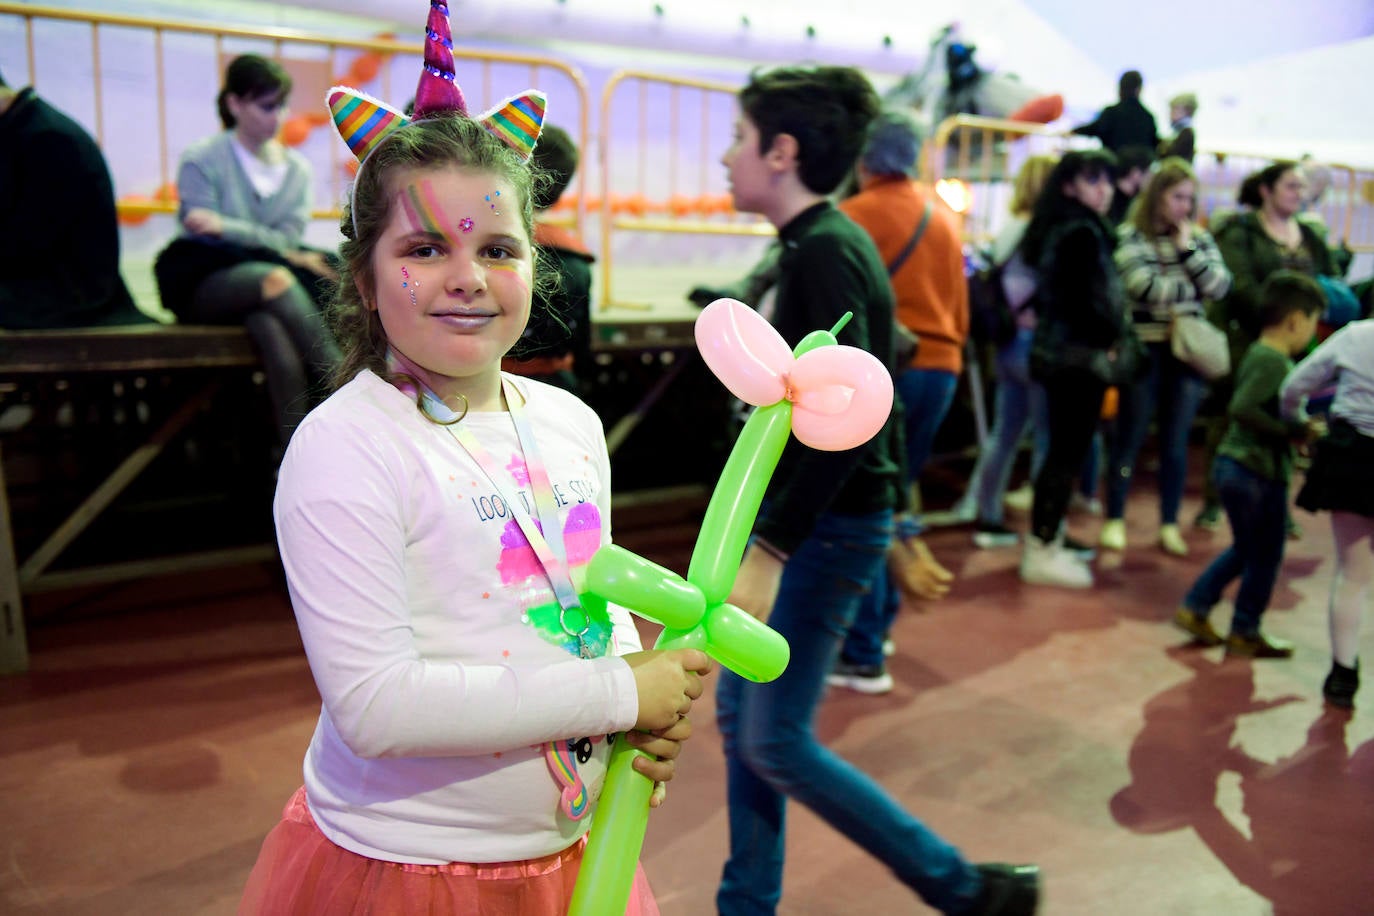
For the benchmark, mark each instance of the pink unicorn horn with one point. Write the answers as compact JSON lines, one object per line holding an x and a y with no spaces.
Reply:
{"x":438,"y":91}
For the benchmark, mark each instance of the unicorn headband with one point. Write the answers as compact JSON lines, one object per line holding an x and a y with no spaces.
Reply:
{"x":363,"y":122}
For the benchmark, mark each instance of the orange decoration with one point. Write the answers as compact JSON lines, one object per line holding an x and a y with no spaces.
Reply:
{"x":636,"y":204}
{"x":295,"y":131}
{"x":365,"y":69}
{"x":167,"y":194}
{"x":134,"y":218}
{"x":681,"y":205}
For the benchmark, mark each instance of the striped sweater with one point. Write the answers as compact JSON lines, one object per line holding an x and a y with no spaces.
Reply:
{"x":1162,"y":282}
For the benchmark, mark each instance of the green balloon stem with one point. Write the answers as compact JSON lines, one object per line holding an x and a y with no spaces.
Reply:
{"x":616,"y":838}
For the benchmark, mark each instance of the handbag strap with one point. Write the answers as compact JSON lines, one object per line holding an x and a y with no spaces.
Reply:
{"x":896,"y":263}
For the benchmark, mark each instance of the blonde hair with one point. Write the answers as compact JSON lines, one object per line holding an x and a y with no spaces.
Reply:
{"x":1030,"y":181}
{"x":1185,"y":100}
{"x":1171,"y":172}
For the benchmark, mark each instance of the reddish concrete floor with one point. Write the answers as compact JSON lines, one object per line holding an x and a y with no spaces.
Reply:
{"x":152,"y":745}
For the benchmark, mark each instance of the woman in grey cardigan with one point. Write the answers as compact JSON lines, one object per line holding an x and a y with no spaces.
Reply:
{"x":244,"y":202}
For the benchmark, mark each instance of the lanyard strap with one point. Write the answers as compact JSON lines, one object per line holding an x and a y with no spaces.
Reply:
{"x":548,"y":545}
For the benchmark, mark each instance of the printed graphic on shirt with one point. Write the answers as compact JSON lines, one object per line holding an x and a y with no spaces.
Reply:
{"x":522,"y":572}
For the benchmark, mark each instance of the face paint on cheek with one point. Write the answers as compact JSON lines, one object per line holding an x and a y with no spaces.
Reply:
{"x":409,"y":284}
{"x":515,"y":274}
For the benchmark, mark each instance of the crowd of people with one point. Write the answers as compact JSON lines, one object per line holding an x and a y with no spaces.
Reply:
{"x":438,"y":343}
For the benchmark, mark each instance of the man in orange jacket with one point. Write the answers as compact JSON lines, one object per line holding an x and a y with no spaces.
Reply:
{"x":918,"y":239}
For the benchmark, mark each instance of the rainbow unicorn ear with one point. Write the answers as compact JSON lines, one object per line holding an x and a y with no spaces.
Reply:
{"x":517,"y":121}
{"x":363,"y":121}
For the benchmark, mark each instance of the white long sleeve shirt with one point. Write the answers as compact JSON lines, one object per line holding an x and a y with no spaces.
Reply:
{"x":432,"y":632}
{"x":1348,"y":357}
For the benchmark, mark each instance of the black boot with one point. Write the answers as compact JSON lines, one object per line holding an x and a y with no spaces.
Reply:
{"x":1008,"y":890}
{"x":1340,"y":685}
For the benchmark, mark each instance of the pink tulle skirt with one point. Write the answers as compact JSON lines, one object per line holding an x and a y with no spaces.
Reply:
{"x":299,"y":872}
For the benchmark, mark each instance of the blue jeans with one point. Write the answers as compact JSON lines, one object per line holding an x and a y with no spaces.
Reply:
{"x":926,"y":395}
{"x":1257,"y":509}
{"x":1178,"y":392}
{"x":771,"y":751}
{"x":1018,"y":401}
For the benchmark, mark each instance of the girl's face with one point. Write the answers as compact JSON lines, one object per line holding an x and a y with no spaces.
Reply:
{"x":257,"y":118}
{"x":1094,"y":193}
{"x":746,"y":168}
{"x":452,"y":276}
{"x":1286,"y":196}
{"x":1176,"y":204}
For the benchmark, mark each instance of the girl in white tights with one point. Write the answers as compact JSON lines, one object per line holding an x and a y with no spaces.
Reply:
{"x":1338,"y":482}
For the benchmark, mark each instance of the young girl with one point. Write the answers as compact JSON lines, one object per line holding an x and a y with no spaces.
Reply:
{"x":435,"y":516}
{"x":1338,"y":481}
{"x":244,"y":203}
{"x":1169,"y":266}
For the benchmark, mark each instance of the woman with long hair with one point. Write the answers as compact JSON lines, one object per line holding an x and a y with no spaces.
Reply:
{"x":1083,"y":343}
{"x":1170,"y":267}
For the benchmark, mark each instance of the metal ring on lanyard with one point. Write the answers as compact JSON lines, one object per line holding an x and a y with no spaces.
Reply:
{"x":586,"y":622}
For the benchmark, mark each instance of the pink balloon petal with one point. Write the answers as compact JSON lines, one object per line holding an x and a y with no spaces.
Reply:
{"x":843,"y":397}
{"x":743,"y":350}
{"x":830,"y":400}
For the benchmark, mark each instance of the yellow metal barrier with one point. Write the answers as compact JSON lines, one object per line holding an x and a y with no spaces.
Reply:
{"x":629,"y":190}
{"x":478,"y":90}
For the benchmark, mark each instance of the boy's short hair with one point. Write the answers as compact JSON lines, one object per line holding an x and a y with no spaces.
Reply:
{"x":827,"y":110}
{"x":1286,"y":292}
{"x":556,"y":157}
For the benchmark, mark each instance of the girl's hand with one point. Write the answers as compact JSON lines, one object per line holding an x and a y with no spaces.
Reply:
{"x":200,"y":221}
{"x":665,"y":745}
{"x":667,"y":682}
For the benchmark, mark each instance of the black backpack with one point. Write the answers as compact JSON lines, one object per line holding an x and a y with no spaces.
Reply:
{"x":990,"y":317}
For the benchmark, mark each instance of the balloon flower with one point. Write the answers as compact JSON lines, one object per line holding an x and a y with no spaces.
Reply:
{"x":833,"y":398}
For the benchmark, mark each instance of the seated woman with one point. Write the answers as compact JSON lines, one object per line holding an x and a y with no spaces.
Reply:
{"x":1170,"y":267}
{"x":245,"y":200}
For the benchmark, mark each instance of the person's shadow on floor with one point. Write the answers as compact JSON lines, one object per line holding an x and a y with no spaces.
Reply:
{"x":1311,"y":814}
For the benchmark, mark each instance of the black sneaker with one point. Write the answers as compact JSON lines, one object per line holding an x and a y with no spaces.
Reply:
{"x":1340,"y":685}
{"x":989,"y":535}
{"x":1084,"y":552}
{"x":872,"y":679}
{"x":1008,"y":890}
